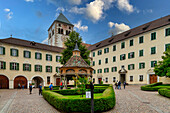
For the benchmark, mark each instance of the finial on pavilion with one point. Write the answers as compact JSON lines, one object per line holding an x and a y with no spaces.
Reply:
{"x":76,"y":47}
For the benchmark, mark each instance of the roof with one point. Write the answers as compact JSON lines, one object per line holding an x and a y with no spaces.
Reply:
{"x":86,"y":45}
{"x":31,"y":44}
{"x":76,"y":61}
{"x":76,"y":48}
{"x":63,"y":19}
{"x":132,"y":32}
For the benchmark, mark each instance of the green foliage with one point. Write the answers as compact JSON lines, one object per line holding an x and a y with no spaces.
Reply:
{"x":101,"y":84}
{"x":65,"y":104}
{"x":70,"y":44}
{"x":164,"y":92}
{"x":154,"y":86}
{"x":54,"y":88}
{"x":163,"y":67}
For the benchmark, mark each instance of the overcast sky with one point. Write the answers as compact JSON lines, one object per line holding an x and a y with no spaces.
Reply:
{"x":95,"y":20}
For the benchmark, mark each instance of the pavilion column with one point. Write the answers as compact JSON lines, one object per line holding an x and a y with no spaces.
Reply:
{"x":76,"y":81}
{"x":64,"y":81}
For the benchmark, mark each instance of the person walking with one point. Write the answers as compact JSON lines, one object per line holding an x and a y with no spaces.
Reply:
{"x":19,"y":86}
{"x":119,"y":85}
{"x":51,"y":86}
{"x":23,"y":86}
{"x":40,"y":89}
{"x":30,"y":88}
{"x":116,"y":85}
{"x":61,"y":85}
{"x":124,"y":84}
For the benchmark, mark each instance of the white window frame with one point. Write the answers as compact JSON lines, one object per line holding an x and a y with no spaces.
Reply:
{"x":26,"y":67}
{"x":130,"y":78}
{"x":1,"y":50}
{"x":114,"y":79}
{"x":14,"y":52}
{"x":142,"y":77}
{"x":14,"y":66}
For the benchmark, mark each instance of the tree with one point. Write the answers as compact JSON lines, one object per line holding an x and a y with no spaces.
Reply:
{"x":163,"y":67}
{"x":70,"y":45}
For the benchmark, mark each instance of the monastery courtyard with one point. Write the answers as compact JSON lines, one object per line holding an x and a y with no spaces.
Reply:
{"x":130,"y":100}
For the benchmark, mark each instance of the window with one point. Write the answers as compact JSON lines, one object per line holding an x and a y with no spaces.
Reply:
{"x":2,"y":65}
{"x":48,"y":57}
{"x":38,"y":68}
{"x":106,"y":79}
{"x":93,"y":63}
{"x":153,"y":36}
{"x":99,"y":70}
{"x":26,"y":67}
{"x":57,"y":69}
{"x":123,"y":57}
{"x":167,"y":32}
{"x":114,"y":79}
{"x":48,"y":80}
{"x":131,"y":66}
{"x":114,"y":58}
{"x":59,"y":25}
{"x":99,"y":52}
{"x":69,"y":27}
{"x":94,"y":71}
{"x":106,"y":70}
{"x":93,"y":80}
{"x":106,"y":50}
{"x":153,"y":50}
{"x":61,"y":31}
{"x":99,"y":62}
{"x":49,"y":35}
{"x":93,"y":54}
{"x":140,"y":39}
{"x":140,"y":77}
{"x":14,"y":66}
{"x":52,"y":32}
{"x":140,"y":53}
{"x":114,"y":69}
{"x":58,"y":58}
{"x":141,"y":65}
{"x":114,"y":47}
{"x":38,"y":56}
{"x":27,"y":54}
{"x":131,"y":55}
{"x":122,"y":45}
{"x":131,"y":42}
{"x":131,"y":78}
{"x":14,"y":52}
{"x":167,"y":46}
{"x":48,"y":68}
{"x":106,"y":60}
{"x":153,"y":63}
{"x":2,"y":50}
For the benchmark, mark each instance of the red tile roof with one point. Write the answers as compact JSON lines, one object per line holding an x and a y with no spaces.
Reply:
{"x":132,"y":32}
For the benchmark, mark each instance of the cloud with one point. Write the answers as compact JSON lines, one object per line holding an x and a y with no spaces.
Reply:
{"x":7,"y":10}
{"x":60,"y":9}
{"x":94,"y":10}
{"x":29,"y":0}
{"x":124,"y":5}
{"x":110,"y":24}
{"x":45,"y":41}
{"x":118,"y":28}
{"x":80,"y":27}
{"x":9,"y":15}
{"x":75,"y":2}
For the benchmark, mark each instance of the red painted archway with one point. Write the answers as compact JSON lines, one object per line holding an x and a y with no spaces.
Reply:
{"x":4,"y":82}
{"x":20,"y":80}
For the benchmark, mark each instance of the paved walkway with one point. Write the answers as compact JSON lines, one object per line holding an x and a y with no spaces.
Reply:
{"x":130,"y":100}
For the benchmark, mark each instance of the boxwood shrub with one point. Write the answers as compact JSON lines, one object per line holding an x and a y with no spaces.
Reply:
{"x":66,"y":104}
{"x":151,"y":87}
{"x":164,"y":92}
{"x":54,"y":88}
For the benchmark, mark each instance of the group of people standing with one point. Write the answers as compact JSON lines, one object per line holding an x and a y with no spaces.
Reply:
{"x":118,"y":84}
{"x":40,"y":89}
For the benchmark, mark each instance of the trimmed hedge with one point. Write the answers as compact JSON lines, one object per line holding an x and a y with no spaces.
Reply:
{"x":101,"y":84}
{"x":103,"y":103}
{"x":54,"y":88}
{"x":151,"y":87}
{"x":164,"y":92}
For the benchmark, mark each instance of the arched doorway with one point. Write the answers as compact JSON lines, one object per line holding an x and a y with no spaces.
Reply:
{"x":20,"y":80}
{"x":4,"y":82}
{"x":37,"y":81}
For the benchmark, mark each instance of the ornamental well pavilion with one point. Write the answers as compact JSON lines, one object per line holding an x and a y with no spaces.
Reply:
{"x":75,"y":67}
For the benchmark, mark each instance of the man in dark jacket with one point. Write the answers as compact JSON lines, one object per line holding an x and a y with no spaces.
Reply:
{"x":30,"y":88}
{"x":119,"y":85}
{"x":40,"y":89}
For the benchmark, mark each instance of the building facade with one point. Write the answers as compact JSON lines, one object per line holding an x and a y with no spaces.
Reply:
{"x":132,"y":55}
{"x":59,"y":31}
{"x":23,"y":62}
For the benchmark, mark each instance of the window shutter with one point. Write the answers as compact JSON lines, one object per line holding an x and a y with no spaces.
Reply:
{"x":128,"y":67}
{"x":35,"y":55}
{"x":17,"y":52}
{"x":46,"y":68}
{"x":24,"y":53}
{"x":29,"y":54}
{"x":11,"y":51}
{"x":128,"y":55}
{"x":23,"y":67}
{"x":120,"y":57}
{"x":115,"y":68}
{"x":10,"y":66}
{"x":50,"y":68}
{"x":35,"y":68}
{"x":46,"y":56}
{"x":17,"y":66}
{"x":57,"y":69}
{"x":133,"y":66}
{"x":4,"y":65}
{"x":40,"y":68}
{"x":50,"y":57}
{"x":140,"y":65}
{"x":133,"y":54}
{"x":29,"y":67}
{"x":3,"y":50}
{"x":56,"y":58}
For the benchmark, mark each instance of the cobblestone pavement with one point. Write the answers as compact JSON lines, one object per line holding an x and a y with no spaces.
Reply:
{"x":133,"y":100}
{"x":129,"y":100}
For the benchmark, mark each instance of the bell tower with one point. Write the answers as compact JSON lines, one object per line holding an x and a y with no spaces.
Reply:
{"x":59,"y":31}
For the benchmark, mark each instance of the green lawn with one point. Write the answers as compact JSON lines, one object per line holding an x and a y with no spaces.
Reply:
{"x":96,"y":95}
